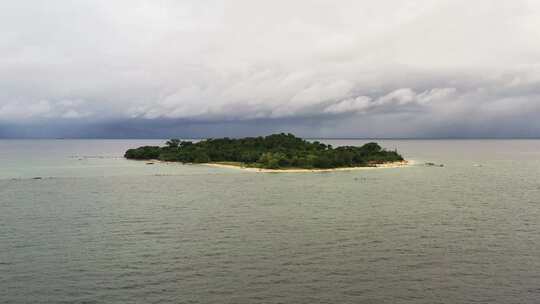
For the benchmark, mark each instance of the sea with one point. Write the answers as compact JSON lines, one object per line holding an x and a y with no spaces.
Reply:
{"x":81,"y":224}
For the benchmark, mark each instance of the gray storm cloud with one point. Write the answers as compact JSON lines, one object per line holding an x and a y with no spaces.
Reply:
{"x":319,"y":68}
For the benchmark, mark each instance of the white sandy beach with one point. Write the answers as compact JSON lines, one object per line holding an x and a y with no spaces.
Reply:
{"x":380,"y":166}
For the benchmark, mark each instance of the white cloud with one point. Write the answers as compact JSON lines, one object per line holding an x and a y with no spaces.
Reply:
{"x":73,"y":114}
{"x":21,"y":111}
{"x":350,"y":105}
{"x":211,"y":60}
{"x":436,"y":94}
{"x":398,"y":97}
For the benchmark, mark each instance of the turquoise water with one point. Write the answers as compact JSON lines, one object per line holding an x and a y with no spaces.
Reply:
{"x":100,"y":229}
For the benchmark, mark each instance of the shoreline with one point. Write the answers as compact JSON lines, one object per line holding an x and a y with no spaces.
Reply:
{"x":262,"y":170}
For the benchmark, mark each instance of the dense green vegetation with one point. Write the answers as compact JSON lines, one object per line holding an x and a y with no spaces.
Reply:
{"x":271,"y":152}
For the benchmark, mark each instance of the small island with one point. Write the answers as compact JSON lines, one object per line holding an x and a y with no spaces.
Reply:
{"x":275,"y":152}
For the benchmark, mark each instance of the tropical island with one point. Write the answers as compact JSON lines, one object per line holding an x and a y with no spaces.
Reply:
{"x":276,"y":151}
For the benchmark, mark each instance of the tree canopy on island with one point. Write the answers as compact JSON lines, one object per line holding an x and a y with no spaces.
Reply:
{"x":271,"y":152}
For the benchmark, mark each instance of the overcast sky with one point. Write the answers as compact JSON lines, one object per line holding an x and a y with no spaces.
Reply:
{"x":332,"y":68}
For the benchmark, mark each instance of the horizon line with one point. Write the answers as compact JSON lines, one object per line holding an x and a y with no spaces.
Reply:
{"x":307,"y":138}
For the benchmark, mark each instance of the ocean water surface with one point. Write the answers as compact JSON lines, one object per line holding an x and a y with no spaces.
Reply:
{"x":96,"y":228}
